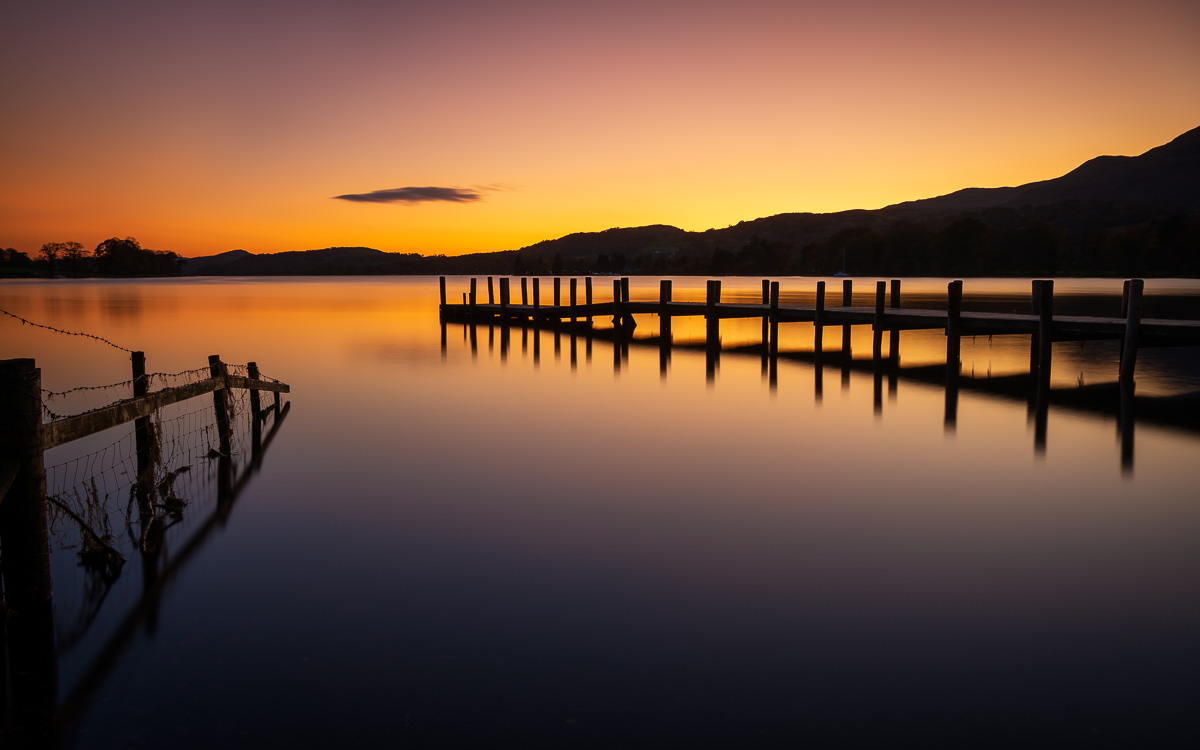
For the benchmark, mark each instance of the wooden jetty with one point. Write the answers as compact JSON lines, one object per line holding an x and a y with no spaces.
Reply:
{"x":885,"y":316}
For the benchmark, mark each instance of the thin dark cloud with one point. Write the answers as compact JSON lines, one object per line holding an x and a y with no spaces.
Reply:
{"x":415,"y":195}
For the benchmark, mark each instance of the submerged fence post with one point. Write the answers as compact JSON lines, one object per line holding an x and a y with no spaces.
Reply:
{"x":217,"y":369}
{"x":255,"y":412}
{"x":143,"y":439}
{"x":25,"y":555}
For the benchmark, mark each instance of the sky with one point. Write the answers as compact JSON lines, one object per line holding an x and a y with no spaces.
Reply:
{"x":482,"y":125}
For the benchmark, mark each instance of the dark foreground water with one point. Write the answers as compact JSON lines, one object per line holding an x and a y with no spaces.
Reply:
{"x":459,"y":540}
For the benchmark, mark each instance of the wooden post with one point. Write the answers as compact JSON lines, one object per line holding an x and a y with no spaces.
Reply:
{"x":624,"y":288}
{"x":256,"y":407}
{"x":524,"y":291}
{"x":142,"y":437}
{"x":953,"y":328}
{"x":1045,"y":328}
{"x":217,"y":369}
{"x":847,"y":301}
{"x":503,"y":310}
{"x":877,"y":327}
{"x":491,"y":293}
{"x":894,"y":334}
{"x":574,"y":299}
{"x":819,"y":322}
{"x":766,"y":318}
{"x":618,"y":308}
{"x":471,"y":296}
{"x":712,"y":328}
{"x":1133,"y":320}
{"x":537,"y":299}
{"x":1125,"y":298}
{"x":587,"y":300}
{"x":664,"y":326}
{"x":442,"y":286}
{"x":774,"y":315}
{"x":557,"y":291}
{"x":25,"y":557}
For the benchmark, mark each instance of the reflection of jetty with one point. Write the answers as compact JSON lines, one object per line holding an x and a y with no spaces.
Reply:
{"x":886,"y":316}
{"x":152,"y":493}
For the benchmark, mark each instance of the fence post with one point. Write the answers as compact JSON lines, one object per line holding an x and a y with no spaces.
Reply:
{"x":442,"y":284}
{"x":491,"y":292}
{"x":574,"y":299}
{"x":143,"y":437}
{"x":25,"y":554}
{"x":256,"y":411}
{"x":524,"y":291}
{"x":217,"y":369}
{"x":953,"y":326}
{"x":471,"y":296}
{"x":557,"y":291}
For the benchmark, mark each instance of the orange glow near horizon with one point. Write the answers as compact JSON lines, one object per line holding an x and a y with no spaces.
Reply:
{"x":225,"y":127}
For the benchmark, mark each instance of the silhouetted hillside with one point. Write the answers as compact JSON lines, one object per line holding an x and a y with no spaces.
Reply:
{"x":1167,"y":175}
{"x":1113,"y":215}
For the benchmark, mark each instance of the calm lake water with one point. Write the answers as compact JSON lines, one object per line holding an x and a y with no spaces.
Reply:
{"x":490,"y":540}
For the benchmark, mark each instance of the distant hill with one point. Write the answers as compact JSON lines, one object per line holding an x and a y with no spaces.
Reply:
{"x":1168,"y":175}
{"x":1113,"y":215}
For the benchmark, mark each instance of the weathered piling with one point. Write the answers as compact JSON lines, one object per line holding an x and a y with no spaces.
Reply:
{"x":256,"y":411}
{"x":878,"y":324}
{"x":847,"y":301}
{"x":524,"y":291}
{"x":442,"y":285}
{"x":557,"y":291}
{"x":537,"y":300}
{"x":1133,"y":320}
{"x":953,"y":326}
{"x":894,"y":333}
{"x":491,"y":294}
{"x":471,"y":296}
{"x":587,"y":300}
{"x":574,"y":302}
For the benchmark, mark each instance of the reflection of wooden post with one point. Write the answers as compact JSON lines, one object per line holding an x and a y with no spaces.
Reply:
{"x":1133,"y":319}
{"x":25,"y":556}
{"x":143,"y":440}
{"x":1126,"y":424}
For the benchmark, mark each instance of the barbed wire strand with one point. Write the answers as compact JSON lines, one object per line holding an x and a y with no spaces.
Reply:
{"x":69,"y":333}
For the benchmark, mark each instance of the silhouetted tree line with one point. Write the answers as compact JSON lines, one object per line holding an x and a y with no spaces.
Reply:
{"x":112,"y":257}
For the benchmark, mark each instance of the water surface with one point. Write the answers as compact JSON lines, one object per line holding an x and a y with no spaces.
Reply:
{"x":529,"y":539}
